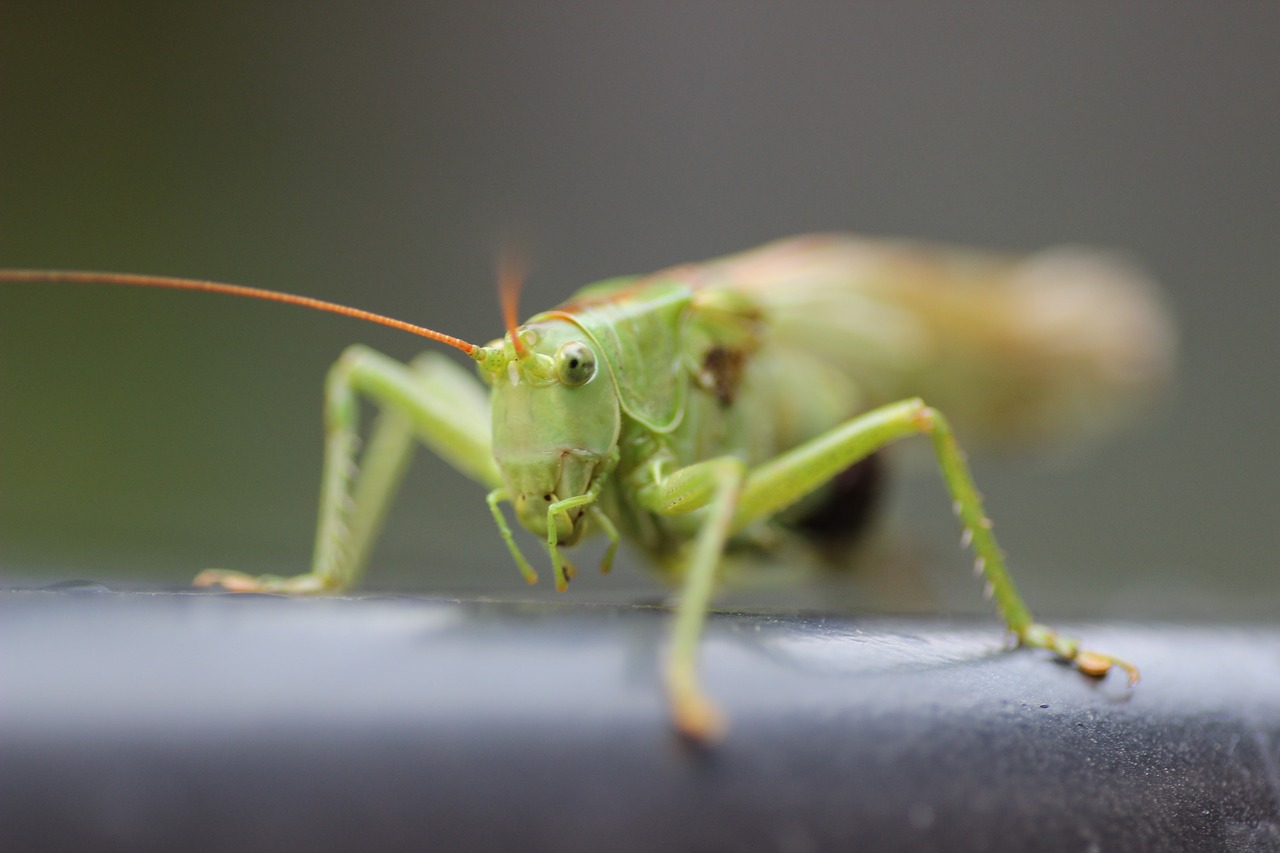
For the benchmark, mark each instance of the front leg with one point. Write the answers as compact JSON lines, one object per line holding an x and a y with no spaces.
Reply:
{"x":433,"y":401}
{"x":715,"y":486}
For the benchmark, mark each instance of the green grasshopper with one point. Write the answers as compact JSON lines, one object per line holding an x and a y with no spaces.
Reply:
{"x":712,"y":406}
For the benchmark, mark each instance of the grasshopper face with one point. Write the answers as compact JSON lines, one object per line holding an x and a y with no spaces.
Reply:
{"x":556,"y":419}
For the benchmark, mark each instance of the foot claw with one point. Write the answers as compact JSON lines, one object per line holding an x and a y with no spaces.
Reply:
{"x":697,"y":719}
{"x":228,"y":580}
{"x":240,"y":582}
{"x":1092,"y":664}
{"x":1098,"y":665}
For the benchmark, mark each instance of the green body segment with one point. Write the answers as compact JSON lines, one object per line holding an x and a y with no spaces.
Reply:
{"x":688,"y":407}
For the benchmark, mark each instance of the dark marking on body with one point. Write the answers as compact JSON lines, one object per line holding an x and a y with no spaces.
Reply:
{"x":850,"y":504}
{"x":722,"y":372}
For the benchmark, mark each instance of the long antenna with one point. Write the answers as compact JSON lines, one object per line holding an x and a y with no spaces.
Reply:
{"x":172,"y":283}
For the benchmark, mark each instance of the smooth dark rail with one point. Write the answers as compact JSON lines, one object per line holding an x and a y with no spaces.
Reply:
{"x":194,"y":721}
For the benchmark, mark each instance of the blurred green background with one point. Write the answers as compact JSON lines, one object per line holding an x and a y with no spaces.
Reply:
{"x":374,"y":154}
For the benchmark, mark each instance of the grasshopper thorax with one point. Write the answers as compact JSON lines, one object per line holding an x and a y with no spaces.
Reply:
{"x":556,"y":420}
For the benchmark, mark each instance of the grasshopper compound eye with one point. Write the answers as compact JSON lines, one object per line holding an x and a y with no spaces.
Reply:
{"x":575,"y":363}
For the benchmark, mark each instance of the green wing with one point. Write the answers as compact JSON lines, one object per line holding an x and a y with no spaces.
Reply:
{"x":1014,"y":349}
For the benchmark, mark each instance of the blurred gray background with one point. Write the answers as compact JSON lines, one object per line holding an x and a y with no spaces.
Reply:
{"x":375,"y":153}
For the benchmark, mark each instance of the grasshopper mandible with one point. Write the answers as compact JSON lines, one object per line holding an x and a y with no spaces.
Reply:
{"x":701,"y":407}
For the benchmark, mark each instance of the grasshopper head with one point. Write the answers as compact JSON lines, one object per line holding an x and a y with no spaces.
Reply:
{"x":555,"y":420}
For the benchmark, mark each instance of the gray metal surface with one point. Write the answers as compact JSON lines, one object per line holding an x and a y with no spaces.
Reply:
{"x":170,"y":721}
